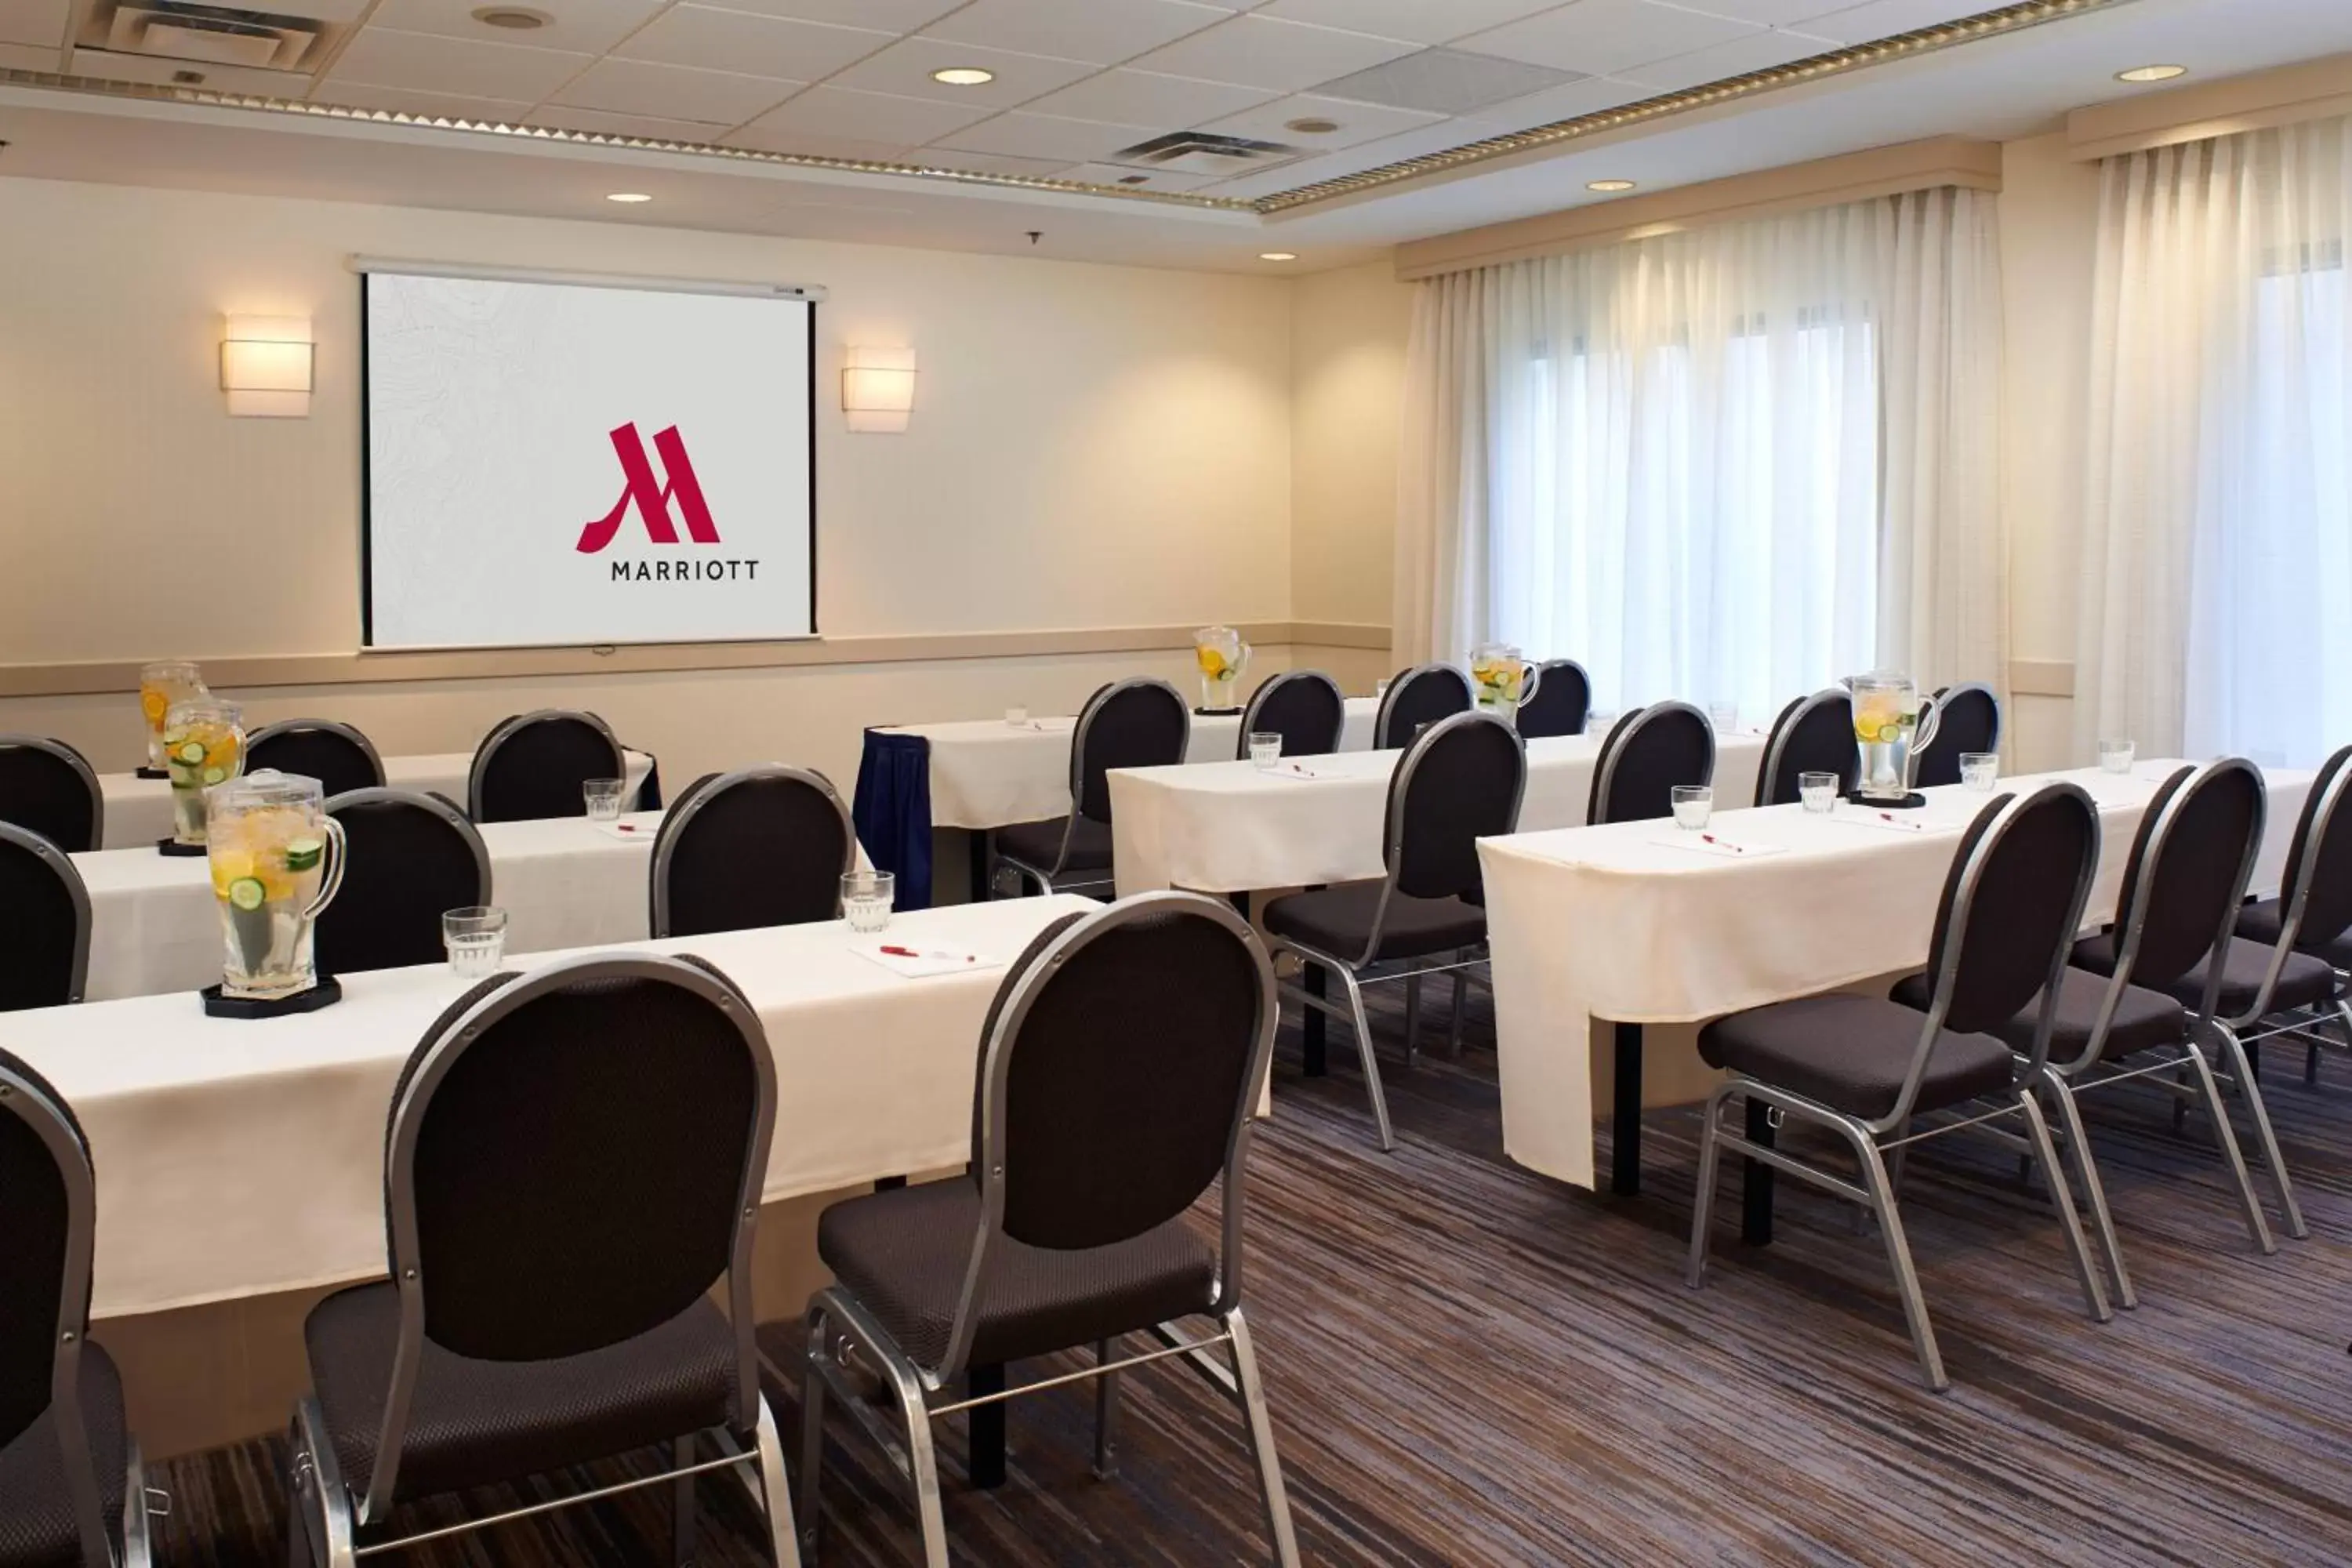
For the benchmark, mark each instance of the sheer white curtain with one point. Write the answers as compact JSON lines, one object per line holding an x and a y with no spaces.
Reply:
{"x":2218,"y":530}
{"x":1680,"y":460}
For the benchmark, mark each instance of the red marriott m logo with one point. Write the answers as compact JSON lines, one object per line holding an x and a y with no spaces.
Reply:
{"x":652,"y":500}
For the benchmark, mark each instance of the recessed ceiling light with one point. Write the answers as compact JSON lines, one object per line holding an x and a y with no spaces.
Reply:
{"x":628,"y":197}
{"x":1608,"y":186}
{"x":1135,"y":179}
{"x":2151,"y":73}
{"x":1277,"y":256}
{"x":514,"y":19}
{"x":964,"y":76}
{"x":1313,"y":125}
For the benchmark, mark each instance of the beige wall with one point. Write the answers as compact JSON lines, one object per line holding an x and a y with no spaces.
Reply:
{"x":1347,"y":345}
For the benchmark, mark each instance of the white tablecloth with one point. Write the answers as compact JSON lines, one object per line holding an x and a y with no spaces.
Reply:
{"x":1232,"y":828}
{"x":138,"y":811}
{"x":237,"y":1158}
{"x":1619,"y":923}
{"x":988,"y":773}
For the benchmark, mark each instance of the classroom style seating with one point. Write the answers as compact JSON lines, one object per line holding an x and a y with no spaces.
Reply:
{"x":1814,"y":734}
{"x":409,"y":857}
{"x":1139,"y":722}
{"x":48,"y":786}
{"x":44,"y":923}
{"x":1304,"y":707}
{"x":1562,"y":701}
{"x":533,"y":765}
{"x":1648,"y":752}
{"x":763,"y":846}
{"x":1416,"y":698}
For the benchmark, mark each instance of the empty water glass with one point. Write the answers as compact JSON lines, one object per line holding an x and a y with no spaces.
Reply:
{"x":1265,"y":747}
{"x":603,"y":797}
{"x":2116,"y":756}
{"x":1017,"y":717}
{"x":476,"y":937}
{"x":865,"y":898}
{"x":1981,"y":770}
{"x":1693,"y":803}
{"x":1725,"y":715}
{"x":1818,"y":791}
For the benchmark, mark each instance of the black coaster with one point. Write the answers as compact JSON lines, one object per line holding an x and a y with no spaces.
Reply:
{"x":149,"y":774}
{"x":1911,"y":802}
{"x":184,"y":851}
{"x":1216,"y":712}
{"x":325,"y":993}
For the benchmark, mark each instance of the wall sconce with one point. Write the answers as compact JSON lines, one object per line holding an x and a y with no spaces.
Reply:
{"x":877,"y":389}
{"x":265,"y":366}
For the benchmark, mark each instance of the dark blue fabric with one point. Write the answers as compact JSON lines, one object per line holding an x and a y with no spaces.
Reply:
{"x":892,"y":811}
{"x":649,"y":793}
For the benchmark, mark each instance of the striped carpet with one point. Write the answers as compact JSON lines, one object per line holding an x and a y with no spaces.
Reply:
{"x":1469,"y":1364}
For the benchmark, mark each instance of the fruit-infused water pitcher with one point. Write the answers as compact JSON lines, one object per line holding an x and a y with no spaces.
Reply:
{"x":1891,"y":722}
{"x":277,"y":860}
{"x":1221,"y":656}
{"x":160,"y":686}
{"x":1502,"y":680}
{"x":203,"y":745}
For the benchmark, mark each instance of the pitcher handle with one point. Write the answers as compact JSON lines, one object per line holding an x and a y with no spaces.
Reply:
{"x":1931,"y":714}
{"x":1534,"y":679}
{"x":330,"y":880}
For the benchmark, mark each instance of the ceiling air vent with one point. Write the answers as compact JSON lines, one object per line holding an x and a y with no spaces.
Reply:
{"x":1204,"y":152}
{"x":165,"y":40}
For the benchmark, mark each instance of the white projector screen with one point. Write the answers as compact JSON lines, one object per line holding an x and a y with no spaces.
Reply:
{"x":555,"y":463}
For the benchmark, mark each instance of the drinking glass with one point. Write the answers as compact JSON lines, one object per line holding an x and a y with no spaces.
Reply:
{"x":203,"y":745}
{"x":1726,"y":716}
{"x":1265,"y":747}
{"x":1980,"y":770}
{"x":476,"y":937}
{"x":1818,"y":791}
{"x":2116,"y":756}
{"x":603,"y":797}
{"x":865,"y":898}
{"x":160,"y":686}
{"x":1017,"y":717}
{"x":1693,"y":803}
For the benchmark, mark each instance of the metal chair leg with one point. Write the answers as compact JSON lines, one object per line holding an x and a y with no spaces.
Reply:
{"x":922,"y":1468}
{"x":2228,"y":1137}
{"x":775,"y":1492}
{"x":2311,"y":1064}
{"x":682,"y":1505}
{"x":1106,"y":1413}
{"x":1411,"y":1018}
{"x":2062,"y":1198}
{"x":1461,"y":1005}
{"x":1710,"y":1154}
{"x":1364,"y":1051}
{"x":812,"y":1429}
{"x":2242,"y":1068}
{"x":1899,"y":1255}
{"x":1252,"y":1394}
{"x":2094,"y":1191}
{"x":317,"y":1470}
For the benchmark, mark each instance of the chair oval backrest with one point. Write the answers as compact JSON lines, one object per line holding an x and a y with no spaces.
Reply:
{"x":44,"y":923}
{"x":409,"y":857}
{"x":2011,"y":904}
{"x":46,"y":1215}
{"x":1967,"y":718}
{"x":2188,"y":867}
{"x":1136,"y":724}
{"x":337,"y":756}
{"x":1461,"y":781}
{"x":1650,"y":752}
{"x":49,"y":787}
{"x":2323,"y":839}
{"x":1562,"y":701}
{"x":532,"y":766}
{"x":1304,"y":707}
{"x":1421,"y":695}
{"x":1812,"y":735}
{"x":762,"y":846}
{"x":571,"y":1153}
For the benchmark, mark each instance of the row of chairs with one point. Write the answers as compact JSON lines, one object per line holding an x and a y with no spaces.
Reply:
{"x":545,"y":1306}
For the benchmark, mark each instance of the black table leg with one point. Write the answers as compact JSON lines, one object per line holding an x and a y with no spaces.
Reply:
{"x":1755,"y":1180}
{"x":980,"y":887}
{"x":1311,"y":1047}
{"x":1625,"y":1135}
{"x":985,"y":1427}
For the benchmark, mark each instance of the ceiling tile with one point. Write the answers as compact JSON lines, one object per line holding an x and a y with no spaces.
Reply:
{"x":884,"y":15}
{"x":1784,"y":12}
{"x":1357,"y":123}
{"x":384,"y":57}
{"x":1260,"y":51}
{"x":1049,"y":136}
{"x":1146,"y":98}
{"x":1440,"y":138}
{"x":809,"y":144}
{"x":991,"y":163}
{"x":827,"y":110}
{"x":1444,"y":81}
{"x":1736,"y":57}
{"x":1101,"y":31}
{"x":1123,"y":177}
{"x":1420,"y":21}
{"x":34,"y":22}
{"x":30,"y":56}
{"x":711,"y":39}
{"x":591,"y":27}
{"x":906,"y":66}
{"x":597,"y":121}
{"x":1867,"y":24}
{"x":1588,"y":95}
{"x":405,"y":101}
{"x":1600,"y":38}
{"x":674,"y":92}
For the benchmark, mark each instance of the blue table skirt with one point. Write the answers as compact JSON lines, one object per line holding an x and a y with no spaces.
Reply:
{"x":892,"y":812}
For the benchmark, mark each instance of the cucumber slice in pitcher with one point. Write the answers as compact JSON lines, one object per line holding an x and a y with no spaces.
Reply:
{"x":191,"y":752}
{"x":303,"y":854}
{"x":248,"y":893}
{"x":215,"y":775}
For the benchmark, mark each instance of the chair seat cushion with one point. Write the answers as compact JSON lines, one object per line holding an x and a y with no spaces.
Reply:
{"x":2261,"y":922}
{"x":1037,"y":844}
{"x":1852,"y":1054}
{"x":477,"y":1423}
{"x":2304,"y":982}
{"x":1338,"y":920}
{"x":903,"y":1253}
{"x":2144,"y":1019}
{"x":37,"y":1519}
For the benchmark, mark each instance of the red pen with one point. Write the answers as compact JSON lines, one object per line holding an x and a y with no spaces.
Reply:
{"x":625,"y":827}
{"x":910,"y":952}
{"x":1734,"y":849}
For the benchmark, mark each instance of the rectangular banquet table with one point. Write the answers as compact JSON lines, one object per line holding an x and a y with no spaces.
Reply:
{"x":138,"y":811}
{"x":1624,"y":923}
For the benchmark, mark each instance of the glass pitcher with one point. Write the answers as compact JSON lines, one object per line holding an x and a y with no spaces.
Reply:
{"x":160,"y":686}
{"x":1891,"y":722}
{"x":1502,"y":680}
{"x":1221,"y":656}
{"x":277,"y":860}
{"x":203,"y":745}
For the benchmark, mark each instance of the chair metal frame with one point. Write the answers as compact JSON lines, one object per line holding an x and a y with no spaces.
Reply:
{"x":330,"y":726}
{"x":1776,"y":747}
{"x":1436,"y":669}
{"x":76,"y":892}
{"x":1365,"y":969}
{"x":698,"y":795}
{"x":1273,"y":683}
{"x":71,"y":756}
{"x":1613,"y":745}
{"x":2302,"y":1025}
{"x":322,"y":1500}
{"x":507,"y":731}
{"x":1045,"y":877}
{"x":841,"y":1329}
{"x":1872,"y":1139}
{"x":30,"y":1103}
{"x":1543,"y":673}
{"x":437,"y":805}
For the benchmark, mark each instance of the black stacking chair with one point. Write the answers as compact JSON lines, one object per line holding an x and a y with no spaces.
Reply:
{"x":1649,"y":751}
{"x":2312,"y":914}
{"x":337,"y":756}
{"x":1562,"y":700}
{"x":762,"y":846}
{"x":1304,"y":707}
{"x":408,"y":858}
{"x":44,"y":923}
{"x":1421,"y":695}
{"x":1460,"y":782}
{"x":1134,"y":723}
{"x":72,"y":1489}
{"x":533,"y":765}
{"x":1967,"y":718}
{"x":1869,"y":1069}
{"x":49,"y":787}
{"x":1118,"y":1068}
{"x":573,"y":1161}
{"x":1812,"y":735}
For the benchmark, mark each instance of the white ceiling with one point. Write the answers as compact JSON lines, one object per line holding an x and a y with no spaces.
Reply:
{"x":1078,"y":81}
